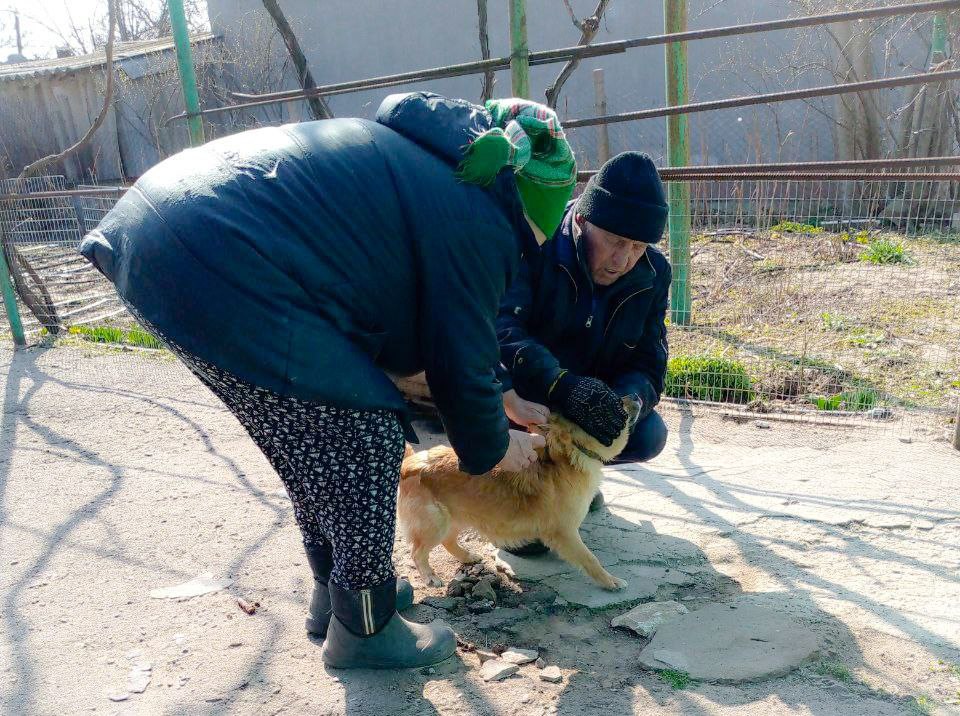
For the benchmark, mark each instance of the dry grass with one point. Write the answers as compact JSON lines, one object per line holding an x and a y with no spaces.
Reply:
{"x":808,"y":317}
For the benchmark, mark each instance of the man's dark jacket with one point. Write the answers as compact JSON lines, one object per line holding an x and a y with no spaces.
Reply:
{"x":553,"y":317}
{"x":311,"y":258}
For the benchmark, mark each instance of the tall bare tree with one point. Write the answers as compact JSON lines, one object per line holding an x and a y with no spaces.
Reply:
{"x":318,"y":105}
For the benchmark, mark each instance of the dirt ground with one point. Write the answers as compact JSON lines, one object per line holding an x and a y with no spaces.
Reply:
{"x":120,"y":474}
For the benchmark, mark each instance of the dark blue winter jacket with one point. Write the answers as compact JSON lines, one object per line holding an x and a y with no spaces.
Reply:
{"x":311,"y":258}
{"x":553,"y":317}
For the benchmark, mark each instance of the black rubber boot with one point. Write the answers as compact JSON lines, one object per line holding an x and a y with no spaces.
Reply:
{"x":318,"y":617}
{"x":366,"y":632}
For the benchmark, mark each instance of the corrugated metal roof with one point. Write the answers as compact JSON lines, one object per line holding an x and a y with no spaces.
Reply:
{"x":122,"y":52}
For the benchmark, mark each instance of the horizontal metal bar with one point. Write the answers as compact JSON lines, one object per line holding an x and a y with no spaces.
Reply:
{"x":820,"y":176}
{"x":696,"y":173}
{"x":104,"y":191}
{"x":842,"y":164}
{"x":787,"y":23}
{"x":822,"y":91}
{"x":564,"y":54}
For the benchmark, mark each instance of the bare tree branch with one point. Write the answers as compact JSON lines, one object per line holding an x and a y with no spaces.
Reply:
{"x":588,"y":30}
{"x":38,"y":166}
{"x":573,"y":17}
{"x":489,"y":77}
{"x":318,"y":106}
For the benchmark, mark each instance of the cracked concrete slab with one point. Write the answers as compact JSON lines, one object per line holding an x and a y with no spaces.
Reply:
{"x":642,"y":583}
{"x":731,"y":643}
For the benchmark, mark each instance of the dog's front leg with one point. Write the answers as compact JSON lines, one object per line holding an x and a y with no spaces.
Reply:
{"x":571,"y":548}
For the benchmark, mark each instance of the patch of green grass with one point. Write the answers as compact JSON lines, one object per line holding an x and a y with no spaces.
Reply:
{"x":795,"y":227}
{"x":835,"y":670}
{"x":116,"y":336}
{"x":949,"y":666}
{"x":137,"y":337}
{"x":677,"y":679}
{"x":854,"y":400}
{"x":921,"y":705}
{"x":833,"y":322}
{"x":884,"y":251}
{"x":707,"y":377}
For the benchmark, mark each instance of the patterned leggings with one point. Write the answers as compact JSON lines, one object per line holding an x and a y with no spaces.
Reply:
{"x":341,"y":468}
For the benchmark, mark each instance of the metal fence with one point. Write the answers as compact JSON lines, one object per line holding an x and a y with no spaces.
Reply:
{"x":829,"y":302}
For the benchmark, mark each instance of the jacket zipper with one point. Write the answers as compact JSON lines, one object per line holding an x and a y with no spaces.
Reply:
{"x":635,"y":293}
{"x":614,"y":314}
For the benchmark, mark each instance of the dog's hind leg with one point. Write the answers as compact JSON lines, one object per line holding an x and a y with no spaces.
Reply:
{"x":459,"y":552}
{"x":426,"y":527}
{"x":571,"y":548}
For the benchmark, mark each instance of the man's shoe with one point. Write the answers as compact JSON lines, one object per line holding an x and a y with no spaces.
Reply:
{"x":530,"y":549}
{"x":367,"y":633}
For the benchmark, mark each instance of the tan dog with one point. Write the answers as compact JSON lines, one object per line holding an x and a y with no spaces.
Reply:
{"x":547,"y":501}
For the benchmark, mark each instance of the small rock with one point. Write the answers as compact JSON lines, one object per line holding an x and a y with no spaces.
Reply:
{"x":481,"y":607}
{"x":475,"y":570}
{"x":484,"y":590}
{"x":448,"y":603}
{"x":606,"y":683}
{"x":485,"y":656}
{"x":455,"y":587}
{"x":138,"y":680}
{"x":551,"y":674}
{"x":763,"y":425}
{"x":645,"y":618}
{"x":906,"y":440}
{"x":880,"y":413}
{"x":234,"y":644}
{"x":123,"y":696}
{"x":519,"y":656}
{"x":541,"y":663}
{"x":497,"y":670}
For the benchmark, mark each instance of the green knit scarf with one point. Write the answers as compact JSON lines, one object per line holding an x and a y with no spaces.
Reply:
{"x":528,"y":137}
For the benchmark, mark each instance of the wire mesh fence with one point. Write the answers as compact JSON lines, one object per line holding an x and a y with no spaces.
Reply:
{"x":59,"y":291}
{"x":824,"y":302}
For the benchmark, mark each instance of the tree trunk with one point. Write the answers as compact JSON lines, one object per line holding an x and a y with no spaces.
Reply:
{"x":858,"y":116}
{"x":318,"y":105}
{"x":489,"y":77}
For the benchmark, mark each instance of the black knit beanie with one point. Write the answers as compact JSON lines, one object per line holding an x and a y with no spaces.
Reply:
{"x":626,"y":198}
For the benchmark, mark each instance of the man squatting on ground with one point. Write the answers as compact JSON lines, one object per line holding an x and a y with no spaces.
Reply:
{"x":584,"y":322}
{"x":290,"y":268}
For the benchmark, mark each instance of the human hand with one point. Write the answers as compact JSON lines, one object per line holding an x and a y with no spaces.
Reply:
{"x":521,"y":453}
{"x":591,"y":404}
{"x":524,"y":412}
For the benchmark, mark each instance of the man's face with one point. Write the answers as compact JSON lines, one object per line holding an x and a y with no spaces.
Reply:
{"x":609,"y":256}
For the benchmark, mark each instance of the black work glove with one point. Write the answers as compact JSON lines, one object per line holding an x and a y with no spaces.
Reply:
{"x":590,"y":404}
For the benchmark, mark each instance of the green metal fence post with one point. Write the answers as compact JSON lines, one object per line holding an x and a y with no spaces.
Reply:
{"x":678,"y":150}
{"x":519,"y":50}
{"x":938,"y":46}
{"x":188,"y":77}
{"x":10,"y":301}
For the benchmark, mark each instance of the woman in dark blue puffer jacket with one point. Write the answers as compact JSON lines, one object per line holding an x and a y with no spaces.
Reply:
{"x":291,"y":268}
